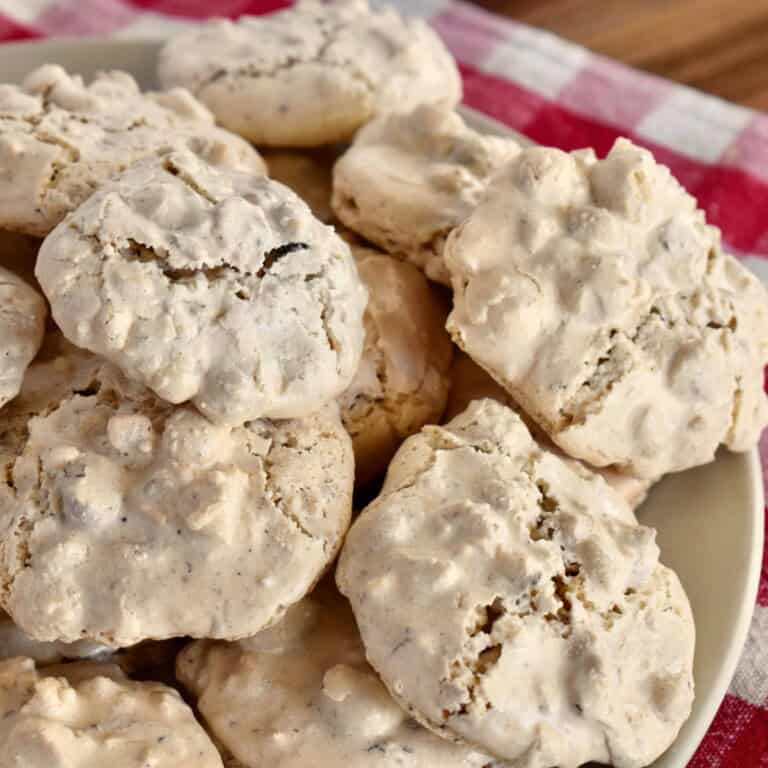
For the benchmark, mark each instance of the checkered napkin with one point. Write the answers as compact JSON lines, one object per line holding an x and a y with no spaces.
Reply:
{"x":561,"y":95}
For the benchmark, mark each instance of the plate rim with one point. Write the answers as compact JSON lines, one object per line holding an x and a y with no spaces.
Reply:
{"x":50,"y":47}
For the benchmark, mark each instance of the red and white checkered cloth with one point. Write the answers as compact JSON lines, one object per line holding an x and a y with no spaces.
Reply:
{"x":564,"y":96}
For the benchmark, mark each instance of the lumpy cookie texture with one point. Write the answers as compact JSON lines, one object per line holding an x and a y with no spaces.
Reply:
{"x":22,"y":325}
{"x":127,"y":518}
{"x":468,"y":382}
{"x":515,"y":604}
{"x":88,"y":716}
{"x":301,"y":694}
{"x":606,"y":307}
{"x":60,"y":139}
{"x":312,"y":74}
{"x":402,"y":381}
{"x":409,"y":178}
{"x":209,"y":285}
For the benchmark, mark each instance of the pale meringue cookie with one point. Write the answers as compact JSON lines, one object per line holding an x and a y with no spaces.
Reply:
{"x":60,"y":139}
{"x":409,"y":178}
{"x":209,"y":285}
{"x":301,"y":694}
{"x":126,"y":518}
{"x":87,"y":715}
{"x":313,"y":73}
{"x":22,"y":325}
{"x":595,"y":292}
{"x":402,"y":381}
{"x":513,"y":604}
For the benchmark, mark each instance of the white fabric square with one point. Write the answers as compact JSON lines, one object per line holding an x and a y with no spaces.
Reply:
{"x":694,"y":124}
{"x":536,"y":60}
{"x":751,"y":679}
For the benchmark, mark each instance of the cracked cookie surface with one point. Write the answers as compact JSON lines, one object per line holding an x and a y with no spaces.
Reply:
{"x":61,"y":139}
{"x":606,"y":307}
{"x":22,"y":325}
{"x":468,"y":382}
{"x":301,"y":694}
{"x":211,"y":286}
{"x":410,"y":178}
{"x":311,"y":74}
{"x":126,"y":518}
{"x":517,"y":605}
{"x":401,"y":383}
{"x":89,"y":715}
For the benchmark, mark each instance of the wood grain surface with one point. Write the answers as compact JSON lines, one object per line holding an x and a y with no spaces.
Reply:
{"x":720,"y":46}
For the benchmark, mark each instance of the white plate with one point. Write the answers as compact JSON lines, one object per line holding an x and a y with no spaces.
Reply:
{"x":710,"y":519}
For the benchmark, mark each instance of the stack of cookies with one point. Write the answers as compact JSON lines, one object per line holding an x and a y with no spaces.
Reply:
{"x":293,"y":278}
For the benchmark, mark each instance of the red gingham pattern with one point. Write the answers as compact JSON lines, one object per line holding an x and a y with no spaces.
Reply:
{"x":557,"y":94}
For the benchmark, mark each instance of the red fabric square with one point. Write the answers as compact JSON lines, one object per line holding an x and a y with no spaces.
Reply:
{"x":200,"y":9}
{"x":724,"y":745}
{"x":12,"y":30}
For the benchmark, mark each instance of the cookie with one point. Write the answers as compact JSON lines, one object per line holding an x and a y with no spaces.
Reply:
{"x":311,"y":74}
{"x":84,"y":715}
{"x":517,"y":605}
{"x":606,"y":307}
{"x":301,"y":694}
{"x":402,"y":382}
{"x":470,"y":382}
{"x":409,"y":178}
{"x":308,"y":174}
{"x":22,"y":325}
{"x":127,"y":518}
{"x":209,"y":285}
{"x":61,"y":139}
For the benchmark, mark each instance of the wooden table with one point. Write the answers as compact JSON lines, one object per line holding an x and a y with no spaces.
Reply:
{"x":720,"y":46}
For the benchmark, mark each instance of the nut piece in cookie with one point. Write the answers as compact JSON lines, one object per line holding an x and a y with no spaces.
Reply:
{"x":470,"y":382}
{"x":308,"y":174}
{"x":517,"y":605}
{"x":605,"y":306}
{"x":209,"y":285}
{"x":127,"y":518}
{"x":312,"y":74}
{"x":61,"y":139}
{"x":409,"y":178}
{"x":301,"y":694}
{"x":402,"y":382}
{"x":22,"y":325}
{"x":84,"y":715}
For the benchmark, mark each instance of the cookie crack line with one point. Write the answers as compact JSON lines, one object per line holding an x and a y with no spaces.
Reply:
{"x":330,"y":36}
{"x":136,"y":251}
{"x":566,"y":585}
{"x":579,"y":409}
{"x":277,"y":500}
{"x":191,"y":183}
